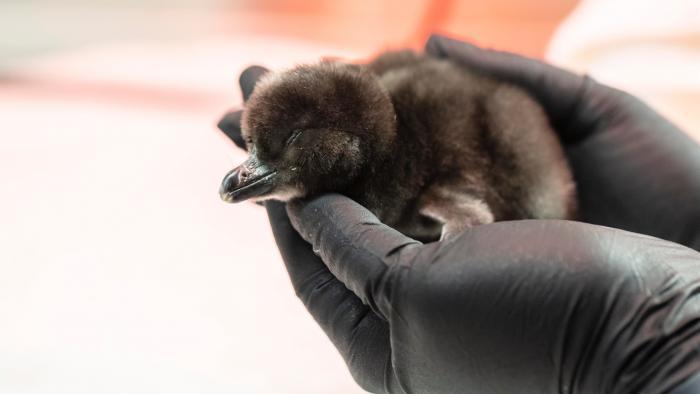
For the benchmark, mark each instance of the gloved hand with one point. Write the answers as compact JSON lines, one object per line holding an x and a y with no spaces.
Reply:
{"x":634,"y":169}
{"x":526,"y":306}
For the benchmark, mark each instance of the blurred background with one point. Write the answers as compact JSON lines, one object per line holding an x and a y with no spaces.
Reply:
{"x":120,"y":268}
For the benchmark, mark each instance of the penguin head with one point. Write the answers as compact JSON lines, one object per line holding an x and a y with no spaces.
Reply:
{"x":310,"y":130}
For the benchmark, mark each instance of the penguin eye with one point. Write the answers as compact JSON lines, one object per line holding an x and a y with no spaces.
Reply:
{"x":293,"y":137}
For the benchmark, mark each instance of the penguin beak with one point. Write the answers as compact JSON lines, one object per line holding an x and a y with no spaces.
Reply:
{"x":250,"y":179}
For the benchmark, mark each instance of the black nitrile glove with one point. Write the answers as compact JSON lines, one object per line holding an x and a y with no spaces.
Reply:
{"x":525,"y":306}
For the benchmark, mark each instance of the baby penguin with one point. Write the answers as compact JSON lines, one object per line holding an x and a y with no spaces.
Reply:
{"x":428,"y":146}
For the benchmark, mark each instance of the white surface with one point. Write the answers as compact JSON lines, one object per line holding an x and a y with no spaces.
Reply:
{"x":650,"y":48}
{"x":121,"y":271}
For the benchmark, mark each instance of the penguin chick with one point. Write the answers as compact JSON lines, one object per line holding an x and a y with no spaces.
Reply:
{"x":428,"y":146}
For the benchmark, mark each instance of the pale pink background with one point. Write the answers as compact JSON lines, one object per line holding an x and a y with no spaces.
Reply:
{"x":121,"y":271}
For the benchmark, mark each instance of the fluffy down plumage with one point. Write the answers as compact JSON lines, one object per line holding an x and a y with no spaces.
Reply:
{"x":428,"y":146}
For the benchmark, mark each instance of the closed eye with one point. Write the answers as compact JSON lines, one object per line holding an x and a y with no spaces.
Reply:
{"x":293,"y":137}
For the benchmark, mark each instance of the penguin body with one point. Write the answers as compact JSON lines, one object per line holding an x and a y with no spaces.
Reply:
{"x":428,"y":146}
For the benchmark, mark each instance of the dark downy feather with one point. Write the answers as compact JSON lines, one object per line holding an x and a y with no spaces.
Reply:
{"x":426,"y":145}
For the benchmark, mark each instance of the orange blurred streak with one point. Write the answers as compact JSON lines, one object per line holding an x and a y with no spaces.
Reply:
{"x":370,"y":26}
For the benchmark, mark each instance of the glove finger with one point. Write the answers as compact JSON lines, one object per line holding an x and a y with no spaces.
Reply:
{"x":361,"y":337}
{"x":303,"y":266}
{"x":230,"y":125}
{"x":560,"y":92}
{"x":357,"y":248}
{"x":249,"y":77}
